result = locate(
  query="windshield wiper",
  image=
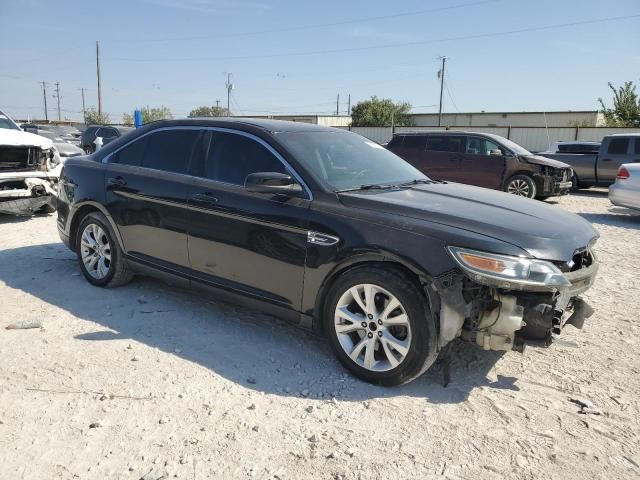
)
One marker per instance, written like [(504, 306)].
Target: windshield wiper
[(368, 186), (416, 182)]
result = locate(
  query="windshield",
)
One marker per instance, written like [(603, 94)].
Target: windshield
[(514, 147), (7, 123), (344, 161)]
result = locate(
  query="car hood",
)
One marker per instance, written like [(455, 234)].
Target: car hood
[(547, 162), (17, 138), (544, 231), (67, 149)]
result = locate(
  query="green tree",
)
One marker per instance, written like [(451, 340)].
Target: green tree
[(94, 118), (127, 119), (211, 111), (153, 114), (381, 112), (626, 107)]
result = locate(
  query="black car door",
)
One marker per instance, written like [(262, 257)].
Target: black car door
[(147, 189), (249, 243)]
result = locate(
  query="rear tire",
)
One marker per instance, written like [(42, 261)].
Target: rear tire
[(375, 341), (101, 260), (522, 186)]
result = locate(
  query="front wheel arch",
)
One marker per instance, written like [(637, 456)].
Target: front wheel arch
[(418, 278), (84, 209)]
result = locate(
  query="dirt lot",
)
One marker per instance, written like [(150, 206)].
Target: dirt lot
[(143, 381)]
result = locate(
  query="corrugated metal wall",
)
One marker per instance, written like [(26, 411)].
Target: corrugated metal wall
[(532, 138), (596, 134)]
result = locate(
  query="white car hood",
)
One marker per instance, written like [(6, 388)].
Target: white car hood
[(16, 138)]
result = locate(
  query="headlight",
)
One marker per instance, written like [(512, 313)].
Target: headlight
[(505, 271)]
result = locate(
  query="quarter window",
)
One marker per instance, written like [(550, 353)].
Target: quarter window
[(618, 145), (232, 157)]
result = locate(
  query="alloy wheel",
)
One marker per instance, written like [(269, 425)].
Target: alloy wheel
[(372, 327), (519, 187), (95, 251)]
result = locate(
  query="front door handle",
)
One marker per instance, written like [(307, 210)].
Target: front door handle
[(205, 197), (116, 181)]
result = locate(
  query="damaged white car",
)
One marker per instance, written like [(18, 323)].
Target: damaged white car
[(29, 171)]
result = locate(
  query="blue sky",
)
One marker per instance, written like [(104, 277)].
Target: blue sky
[(295, 56)]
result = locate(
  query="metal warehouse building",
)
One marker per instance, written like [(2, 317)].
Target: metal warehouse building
[(585, 118)]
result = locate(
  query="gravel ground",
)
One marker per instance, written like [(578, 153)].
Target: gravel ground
[(146, 382)]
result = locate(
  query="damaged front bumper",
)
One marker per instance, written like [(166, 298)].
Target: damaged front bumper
[(27, 192), (508, 319)]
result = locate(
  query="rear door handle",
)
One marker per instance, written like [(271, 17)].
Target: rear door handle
[(205, 197), (116, 181)]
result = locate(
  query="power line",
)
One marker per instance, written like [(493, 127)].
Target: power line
[(312, 26), (379, 47), (446, 86)]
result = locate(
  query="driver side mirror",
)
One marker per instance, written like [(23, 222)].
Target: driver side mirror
[(496, 152), (272, 182)]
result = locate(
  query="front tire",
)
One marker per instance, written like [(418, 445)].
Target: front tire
[(522, 186), (379, 325), (101, 260)]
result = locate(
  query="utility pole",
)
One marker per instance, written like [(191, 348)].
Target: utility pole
[(229, 86), (84, 111), (349, 106), (338, 105), (441, 75), (99, 85), (218, 105), (44, 97), (58, 98)]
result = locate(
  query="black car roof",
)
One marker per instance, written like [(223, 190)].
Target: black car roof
[(268, 125)]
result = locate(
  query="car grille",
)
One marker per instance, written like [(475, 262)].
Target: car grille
[(581, 260), (562, 174), (19, 159)]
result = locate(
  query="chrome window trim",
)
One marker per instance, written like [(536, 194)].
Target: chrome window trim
[(262, 142)]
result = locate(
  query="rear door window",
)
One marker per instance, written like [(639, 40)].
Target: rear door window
[(637, 146), (132, 153), (414, 142), (456, 144), (170, 150), (437, 143), (618, 146), (442, 143)]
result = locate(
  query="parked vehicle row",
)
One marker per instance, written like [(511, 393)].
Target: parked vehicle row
[(335, 233), (484, 160), (108, 133), (598, 168)]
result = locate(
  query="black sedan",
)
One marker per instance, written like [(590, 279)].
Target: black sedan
[(331, 231)]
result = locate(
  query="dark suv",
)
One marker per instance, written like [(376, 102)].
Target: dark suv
[(331, 231), (106, 132), (484, 160)]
